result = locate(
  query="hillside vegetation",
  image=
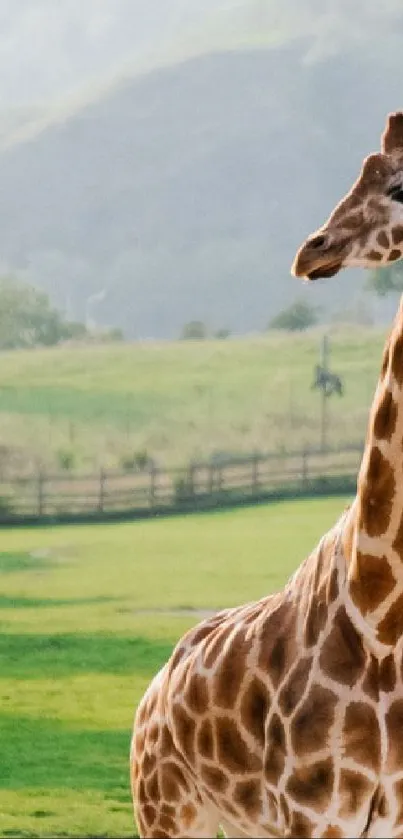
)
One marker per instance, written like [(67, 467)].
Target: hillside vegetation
[(184, 189), (83, 407)]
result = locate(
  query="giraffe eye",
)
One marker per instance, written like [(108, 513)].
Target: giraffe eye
[(396, 193)]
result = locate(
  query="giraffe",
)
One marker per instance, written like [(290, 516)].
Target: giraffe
[(284, 717)]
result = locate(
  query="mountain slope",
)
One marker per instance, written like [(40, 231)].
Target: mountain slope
[(185, 191)]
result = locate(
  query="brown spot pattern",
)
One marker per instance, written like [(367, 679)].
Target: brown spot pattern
[(196, 694), (285, 809), (205, 629), (185, 728), (385, 361), (372, 580), (173, 782), (230, 672), (254, 709), (374, 256), (153, 788), (148, 813), (177, 657), (397, 359), (313, 785), (342, 657), (354, 789), (377, 492), (397, 235), (233, 752), (167, 824), (167, 745), (316, 620), (333, 589), (294, 688), (214, 645), (332, 832), (394, 727), (383, 239), (214, 778), (387, 674), (370, 684), (205, 740), (398, 541), (399, 799), (276, 750), (385, 418), (247, 795), (354, 221), (277, 647), (311, 724), (153, 733), (149, 764), (394, 255), (391, 627), (383, 807), (361, 735), (188, 814), (300, 827)]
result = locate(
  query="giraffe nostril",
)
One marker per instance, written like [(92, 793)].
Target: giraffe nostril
[(317, 241)]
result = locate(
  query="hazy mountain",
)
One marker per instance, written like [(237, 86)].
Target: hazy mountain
[(185, 190)]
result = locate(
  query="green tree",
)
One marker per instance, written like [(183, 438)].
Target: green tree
[(27, 318), (195, 330), (295, 318), (386, 280)]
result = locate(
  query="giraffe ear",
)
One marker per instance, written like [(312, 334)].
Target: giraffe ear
[(392, 137)]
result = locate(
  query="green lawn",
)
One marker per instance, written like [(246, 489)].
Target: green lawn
[(88, 615), (182, 400)]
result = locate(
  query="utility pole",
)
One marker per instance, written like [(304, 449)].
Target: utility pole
[(324, 393)]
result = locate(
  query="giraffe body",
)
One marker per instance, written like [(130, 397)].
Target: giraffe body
[(276, 719), (284, 718)]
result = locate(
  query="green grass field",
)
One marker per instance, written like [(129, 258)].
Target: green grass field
[(88, 615), (181, 400)]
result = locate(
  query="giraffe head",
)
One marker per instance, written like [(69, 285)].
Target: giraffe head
[(366, 228)]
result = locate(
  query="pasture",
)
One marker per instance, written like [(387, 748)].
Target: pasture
[(88, 615), (82, 407)]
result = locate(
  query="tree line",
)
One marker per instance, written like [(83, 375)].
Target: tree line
[(28, 319)]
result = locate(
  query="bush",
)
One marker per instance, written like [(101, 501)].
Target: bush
[(298, 317), (194, 331), (136, 462), (66, 459)]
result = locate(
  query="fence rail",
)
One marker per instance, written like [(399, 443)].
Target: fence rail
[(69, 497)]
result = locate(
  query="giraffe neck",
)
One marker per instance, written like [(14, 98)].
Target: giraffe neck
[(373, 541)]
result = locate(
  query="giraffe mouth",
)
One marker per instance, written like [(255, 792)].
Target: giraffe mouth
[(325, 271)]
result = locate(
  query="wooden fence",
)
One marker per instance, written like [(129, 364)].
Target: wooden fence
[(112, 495)]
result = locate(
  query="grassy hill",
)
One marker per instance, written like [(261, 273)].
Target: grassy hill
[(99, 405), (185, 190)]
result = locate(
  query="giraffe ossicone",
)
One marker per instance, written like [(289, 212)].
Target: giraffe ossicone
[(285, 717)]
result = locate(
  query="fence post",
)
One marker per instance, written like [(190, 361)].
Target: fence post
[(191, 480), (304, 468), (101, 499), (210, 479), (255, 473), (41, 494), (220, 477)]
